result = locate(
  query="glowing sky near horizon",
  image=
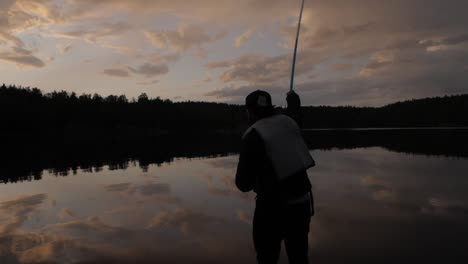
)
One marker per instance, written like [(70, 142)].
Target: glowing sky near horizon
[(354, 52)]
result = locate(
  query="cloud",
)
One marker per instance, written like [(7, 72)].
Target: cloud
[(379, 60), (119, 187), (18, 210), (22, 58), (207, 11), (155, 189), (52, 249), (23, 204), (19, 16), (455, 40), (243, 38), (164, 59), (93, 32), (66, 213), (396, 69), (255, 69), (157, 39), (148, 83), (381, 190), (341, 67), (15, 51), (6, 37), (442, 206), (150, 70), (42, 247), (64, 48), (94, 240), (390, 74), (218, 64), (185, 38), (6, 4), (224, 185), (158, 192), (224, 163), (430, 55), (46, 10), (187, 220), (124, 211), (442, 44), (91, 224), (117, 72)]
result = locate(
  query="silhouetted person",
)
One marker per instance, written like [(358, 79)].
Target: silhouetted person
[(273, 162)]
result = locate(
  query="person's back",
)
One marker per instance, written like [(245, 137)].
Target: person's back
[(273, 163)]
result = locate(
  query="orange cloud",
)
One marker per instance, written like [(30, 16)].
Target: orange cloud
[(183, 39)]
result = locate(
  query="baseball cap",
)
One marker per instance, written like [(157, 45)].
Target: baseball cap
[(259, 99)]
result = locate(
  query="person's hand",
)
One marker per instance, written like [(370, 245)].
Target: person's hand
[(293, 100)]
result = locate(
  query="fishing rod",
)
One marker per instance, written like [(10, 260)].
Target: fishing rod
[(291, 88)]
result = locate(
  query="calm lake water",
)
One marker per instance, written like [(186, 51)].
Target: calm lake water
[(373, 206)]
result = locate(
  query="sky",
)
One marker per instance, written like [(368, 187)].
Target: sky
[(351, 52)]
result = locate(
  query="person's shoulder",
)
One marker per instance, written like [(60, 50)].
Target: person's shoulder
[(251, 135), (252, 140), (287, 119)]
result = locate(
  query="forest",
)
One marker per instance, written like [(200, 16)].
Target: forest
[(26, 109), (29, 110), (447, 111)]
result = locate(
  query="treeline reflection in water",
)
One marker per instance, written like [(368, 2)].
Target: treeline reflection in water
[(173, 199), (25, 158)]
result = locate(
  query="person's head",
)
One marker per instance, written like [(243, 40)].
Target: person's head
[(258, 105)]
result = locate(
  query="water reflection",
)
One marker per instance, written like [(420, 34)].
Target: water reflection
[(27, 161), (372, 206), (381, 205)]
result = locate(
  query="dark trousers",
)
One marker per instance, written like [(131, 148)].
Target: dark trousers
[(274, 224)]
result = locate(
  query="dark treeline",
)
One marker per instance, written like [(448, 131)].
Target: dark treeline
[(447, 111), (29, 110)]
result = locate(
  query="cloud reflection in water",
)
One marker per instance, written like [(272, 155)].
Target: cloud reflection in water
[(372, 205)]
